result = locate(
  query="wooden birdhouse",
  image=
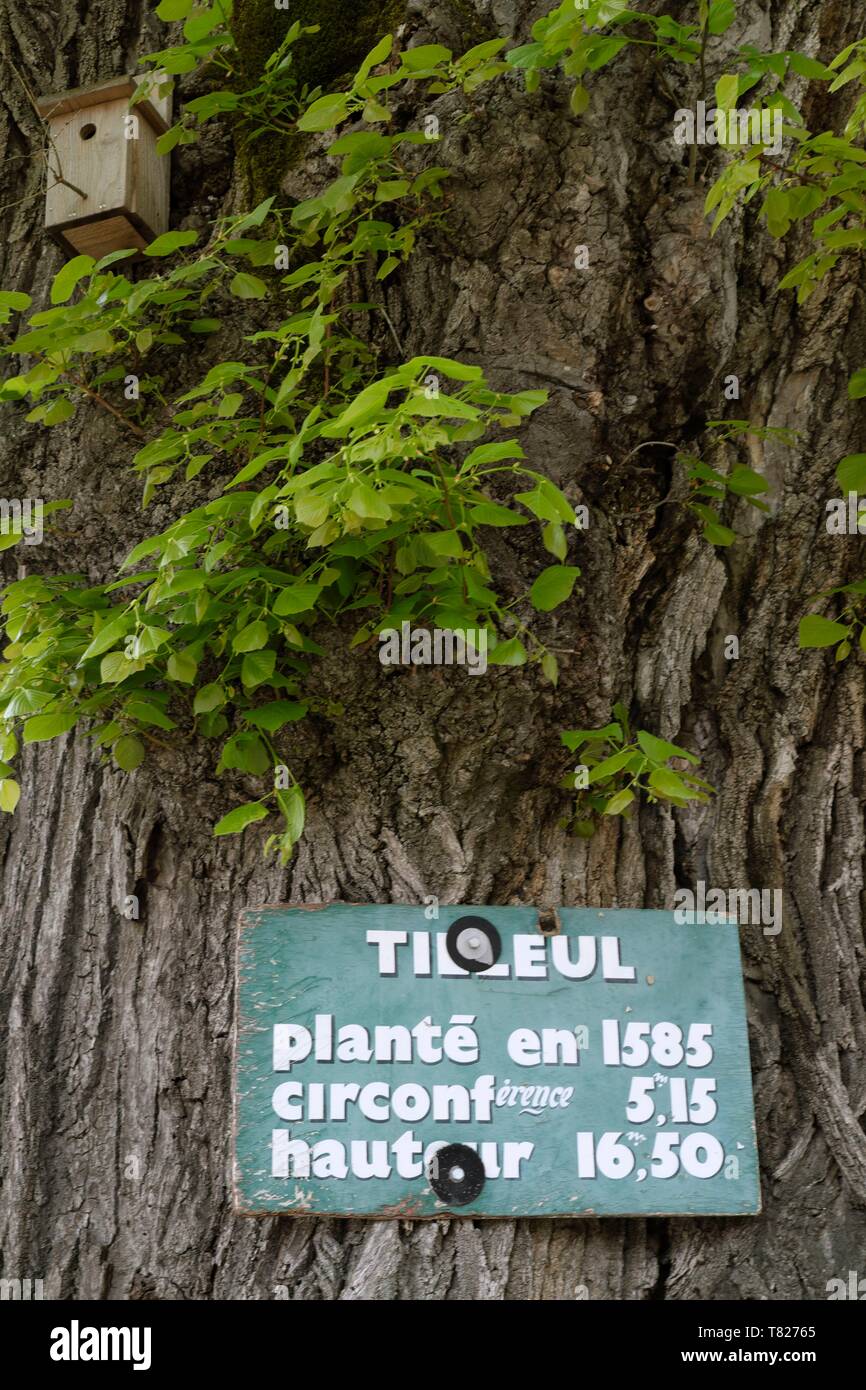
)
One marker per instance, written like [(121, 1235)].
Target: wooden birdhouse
[(108, 189)]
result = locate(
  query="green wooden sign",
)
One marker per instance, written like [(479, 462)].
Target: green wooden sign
[(388, 1065)]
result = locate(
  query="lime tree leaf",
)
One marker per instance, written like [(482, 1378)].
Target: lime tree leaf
[(10, 794), (579, 99), (128, 752), (273, 716), (510, 653), (857, 384), (240, 818), (808, 67), (553, 586), (209, 698), (615, 763), (717, 534), (45, 726), (14, 300), (659, 750), (169, 242), (745, 482), (815, 631), (107, 636), (257, 668), (299, 598), (246, 286), (550, 667), (251, 638), (328, 111), (554, 539), (618, 803), (143, 712), (851, 473), (182, 666), (727, 91), (666, 782), (68, 277), (174, 9), (376, 56), (721, 17), (116, 666), (293, 809)]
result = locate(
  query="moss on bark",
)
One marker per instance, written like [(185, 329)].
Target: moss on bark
[(348, 29)]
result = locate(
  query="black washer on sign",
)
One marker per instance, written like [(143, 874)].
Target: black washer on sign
[(456, 1192), (482, 925)]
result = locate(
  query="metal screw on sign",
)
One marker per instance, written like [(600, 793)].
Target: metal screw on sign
[(473, 943), (456, 1174)]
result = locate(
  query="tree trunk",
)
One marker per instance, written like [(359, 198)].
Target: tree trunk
[(116, 1102)]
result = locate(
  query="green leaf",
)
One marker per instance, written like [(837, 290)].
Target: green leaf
[(246, 286), (251, 638), (14, 299), (170, 242), (618, 803), (44, 726), (745, 482), (857, 385), (108, 636), (579, 99), (182, 666), (510, 653), (210, 697), (727, 91), (292, 806), (659, 750), (273, 716), (808, 67), (240, 818), (851, 473), (116, 666), (609, 766), (717, 534), (553, 586), (128, 752), (326, 112), (10, 794), (376, 56), (426, 55), (721, 16), (170, 10), (814, 631), (245, 752), (666, 782), (258, 667), (144, 712), (68, 277), (298, 598)]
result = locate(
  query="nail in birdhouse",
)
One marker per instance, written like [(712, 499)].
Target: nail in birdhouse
[(108, 189)]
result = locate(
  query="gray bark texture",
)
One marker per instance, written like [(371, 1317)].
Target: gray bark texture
[(116, 1091)]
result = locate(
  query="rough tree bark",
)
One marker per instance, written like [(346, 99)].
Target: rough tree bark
[(115, 1168)]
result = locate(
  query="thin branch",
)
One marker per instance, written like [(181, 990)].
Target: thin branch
[(106, 405)]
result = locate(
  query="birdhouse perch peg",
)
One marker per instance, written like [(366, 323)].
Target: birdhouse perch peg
[(108, 189)]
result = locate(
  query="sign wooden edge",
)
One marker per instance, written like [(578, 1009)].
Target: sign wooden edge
[(447, 1214)]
